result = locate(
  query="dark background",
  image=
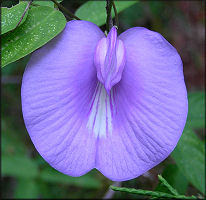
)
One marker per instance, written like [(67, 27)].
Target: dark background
[(182, 23)]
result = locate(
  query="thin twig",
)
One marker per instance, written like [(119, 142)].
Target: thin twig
[(27, 7), (109, 22), (116, 14), (65, 10)]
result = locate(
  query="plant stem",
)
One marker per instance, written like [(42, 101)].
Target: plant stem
[(151, 193), (116, 14), (65, 10), (27, 7), (167, 185), (109, 22)]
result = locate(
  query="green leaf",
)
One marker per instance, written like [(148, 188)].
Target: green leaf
[(15, 67), (52, 176), (196, 111), (26, 189), (190, 158), (97, 11), (18, 166), (42, 24), (10, 17), (44, 3), (48, 3), (175, 178), (150, 193)]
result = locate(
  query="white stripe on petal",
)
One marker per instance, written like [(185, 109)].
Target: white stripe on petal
[(100, 117)]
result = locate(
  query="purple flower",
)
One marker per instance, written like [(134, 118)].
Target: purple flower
[(117, 104)]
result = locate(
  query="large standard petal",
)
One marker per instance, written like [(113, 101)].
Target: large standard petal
[(76, 126), (57, 88), (150, 107)]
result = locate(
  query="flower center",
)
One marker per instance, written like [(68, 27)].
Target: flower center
[(110, 60)]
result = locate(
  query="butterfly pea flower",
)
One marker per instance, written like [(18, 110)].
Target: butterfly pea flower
[(114, 103)]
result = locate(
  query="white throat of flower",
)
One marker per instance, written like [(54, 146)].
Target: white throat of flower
[(102, 109)]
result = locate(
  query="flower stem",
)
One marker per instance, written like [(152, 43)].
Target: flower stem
[(65, 10), (109, 22), (116, 14)]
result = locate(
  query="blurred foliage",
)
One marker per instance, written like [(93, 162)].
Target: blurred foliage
[(175, 178), (190, 158), (196, 113), (26, 175), (97, 10)]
